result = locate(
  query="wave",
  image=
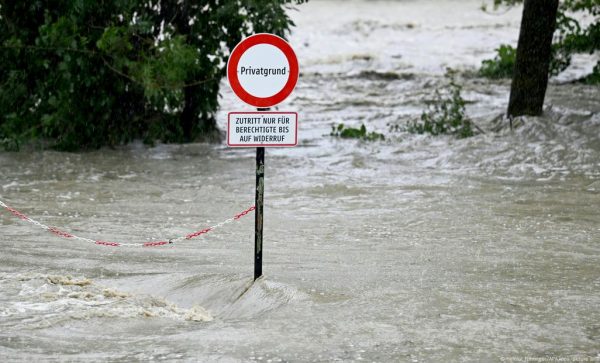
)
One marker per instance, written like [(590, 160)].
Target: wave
[(40, 301)]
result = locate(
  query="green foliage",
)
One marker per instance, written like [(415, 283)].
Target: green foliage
[(360, 133), (569, 38), (83, 73), (502, 65), (446, 114), (594, 77)]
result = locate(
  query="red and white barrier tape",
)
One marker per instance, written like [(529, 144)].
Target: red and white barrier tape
[(67, 235)]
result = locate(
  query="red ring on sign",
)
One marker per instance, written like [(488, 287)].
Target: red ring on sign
[(234, 60)]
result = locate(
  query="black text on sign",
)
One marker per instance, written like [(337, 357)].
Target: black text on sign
[(268, 129)]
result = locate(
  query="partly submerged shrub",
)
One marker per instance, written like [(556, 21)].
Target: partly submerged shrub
[(501, 66), (446, 114), (594, 77), (361, 133), (81, 74)]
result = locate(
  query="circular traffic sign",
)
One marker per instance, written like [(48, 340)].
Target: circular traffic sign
[(263, 70)]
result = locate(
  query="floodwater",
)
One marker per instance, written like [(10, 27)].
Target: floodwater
[(412, 249)]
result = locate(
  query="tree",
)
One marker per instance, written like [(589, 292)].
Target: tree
[(570, 37), (534, 52), (85, 73)]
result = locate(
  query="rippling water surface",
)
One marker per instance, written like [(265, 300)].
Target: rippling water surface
[(411, 249)]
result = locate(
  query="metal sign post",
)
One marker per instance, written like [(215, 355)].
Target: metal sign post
[(259, 204), (259, 211), (262, 71)]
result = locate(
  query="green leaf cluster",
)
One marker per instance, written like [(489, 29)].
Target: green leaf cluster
[(360, 133), (81, 74), (501, 66), (446, 114)]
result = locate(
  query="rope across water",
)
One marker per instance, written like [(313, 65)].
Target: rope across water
[(67, 235)]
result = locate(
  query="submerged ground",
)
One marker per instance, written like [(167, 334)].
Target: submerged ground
[(411, 249)]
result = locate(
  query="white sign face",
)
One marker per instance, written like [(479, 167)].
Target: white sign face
[(263, 70), (255, 129)]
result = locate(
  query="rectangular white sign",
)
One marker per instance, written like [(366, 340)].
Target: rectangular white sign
[(268, 129)]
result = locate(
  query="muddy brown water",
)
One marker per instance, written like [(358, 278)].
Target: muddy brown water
[(410, 249)]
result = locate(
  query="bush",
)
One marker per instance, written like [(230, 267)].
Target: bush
[(361, 133), (446, 114), (594, 77), (502, 65), (83, 74)]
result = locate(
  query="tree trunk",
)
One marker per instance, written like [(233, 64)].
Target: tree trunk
[(530, 76), (189, 115)]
